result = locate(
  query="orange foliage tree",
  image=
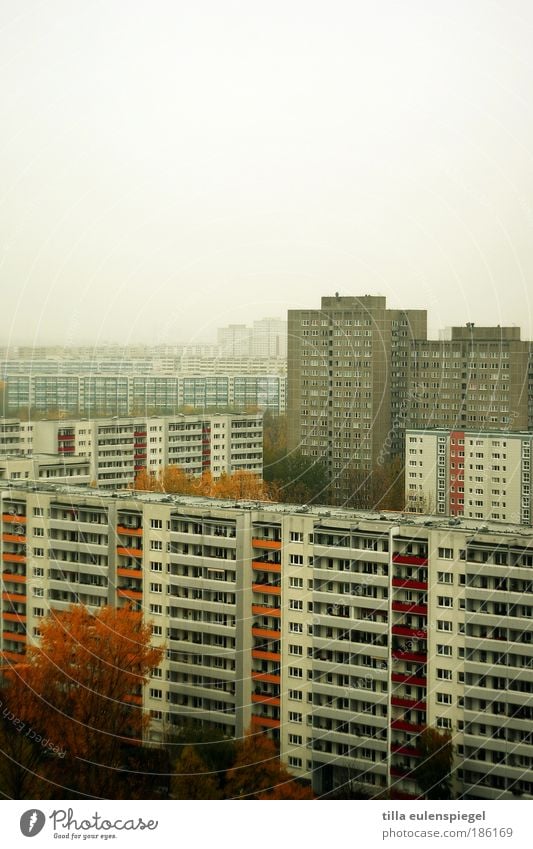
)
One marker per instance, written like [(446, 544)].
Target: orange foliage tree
[(239, 485), (80, 687), (257, 773)]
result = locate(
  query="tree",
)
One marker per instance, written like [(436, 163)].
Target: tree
[(192, 778), (22, 761), (433, 773), (80, 689), (299, 479), (258, 773), (173, 479)]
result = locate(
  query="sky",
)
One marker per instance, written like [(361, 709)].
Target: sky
[(167, 168)]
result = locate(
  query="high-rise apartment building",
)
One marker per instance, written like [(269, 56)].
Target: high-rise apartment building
[(348, 371), (477, 474), (342, 634)]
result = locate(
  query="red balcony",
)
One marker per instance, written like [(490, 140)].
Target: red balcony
[(65, 436), (410, 607), (401, 772), (266, 588), (265, 722), (404, 631), (263, 610), (261, 698), (403, 749), (410, 559), (405, 678), (137, 433), (266, 543), (267, 677), (409, 584), (133, 532), (264, 566), (415, 657), (410, 727), (260, 654), (410, 704)]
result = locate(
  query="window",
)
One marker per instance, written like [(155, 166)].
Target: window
[(156, 523), (295, 604), (38, 611), (295, 695), (444, 674), (296, 560), (155, 693), (295, 672), (157, 630), (156, 545), (294, 716), (296, 628), (444, 578), (157, 672), (296, 583), (156, 566), (156, 609), (296, 536), (295, 739), (295, 762), (446, 553), (296, 650), (444, 625), (444, 601), (38, 592), (444, 699), (38, 572), (444, 650), (444, 722), (156, 588), (38, 552), (38, 532), (38, 511)]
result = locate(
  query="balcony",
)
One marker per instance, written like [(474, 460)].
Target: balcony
[(410, 559), (265, 566), (415, 657), (266, 543), (134, 595), (410, 704), (13, 656), (267, 677), (404, 631), (265, 722), (404, 749), (125, 531), (270, 589), (410, 727), (13, 578), (12, 635), (13, 617), (266, 633), (14, 597), (130, 573), (410, 607), (263, 610), (265, 699), (129, 552), (259, 654), (14, 538), (408, 678), (8, 557), (14, 518), (409, 584)]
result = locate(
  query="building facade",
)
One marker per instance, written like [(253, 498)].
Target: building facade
[(340, 634), (480, 475)]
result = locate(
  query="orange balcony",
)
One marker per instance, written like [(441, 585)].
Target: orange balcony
[(14, 519), (266, 543), (133, 532), (129, 573), (265, 722), (11, 635), (13, 617), (262, 610), (275, 701), (129, 552), (14, 597), (7, 557), (13, 578), (135, 595), (266, 588), (267, 677), (259, 654), (13, 538), (13, 656), (264, 566), (266, 633)]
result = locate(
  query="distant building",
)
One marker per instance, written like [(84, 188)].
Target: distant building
[(480, 475)]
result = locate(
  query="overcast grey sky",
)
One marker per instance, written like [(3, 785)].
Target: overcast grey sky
[(168, 167)]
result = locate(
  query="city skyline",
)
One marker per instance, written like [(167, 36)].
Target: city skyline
[(172, 170)]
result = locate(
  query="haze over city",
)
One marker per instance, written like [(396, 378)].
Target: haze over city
[(169, 169)]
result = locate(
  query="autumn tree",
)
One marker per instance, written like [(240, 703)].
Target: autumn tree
[(299, 479), (433, 773), (192, 778), (242, 484), (81, 689), (257, 773), (174, 480), (23, 762)]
